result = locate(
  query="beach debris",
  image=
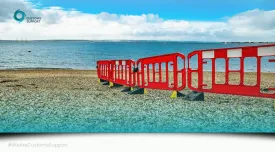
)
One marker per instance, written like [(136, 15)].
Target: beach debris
[(5, 81), (79, 88), (17, 85)]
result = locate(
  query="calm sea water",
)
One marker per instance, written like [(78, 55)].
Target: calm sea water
[(84, 54)]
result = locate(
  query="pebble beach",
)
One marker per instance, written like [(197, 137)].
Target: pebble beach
[(64, 100)]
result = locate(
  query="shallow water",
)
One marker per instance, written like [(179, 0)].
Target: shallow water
[(84, 54)]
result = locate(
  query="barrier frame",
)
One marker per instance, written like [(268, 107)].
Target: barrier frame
[(103, 70), (153, 60), (122, 73), (226, 53)]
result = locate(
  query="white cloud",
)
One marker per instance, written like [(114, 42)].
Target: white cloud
[(256, 19), (57, 23)]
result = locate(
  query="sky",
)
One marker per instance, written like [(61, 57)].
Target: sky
[(168, 9), (177, 20)]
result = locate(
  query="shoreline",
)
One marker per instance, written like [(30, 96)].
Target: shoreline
[(73, 69), (46, 69)]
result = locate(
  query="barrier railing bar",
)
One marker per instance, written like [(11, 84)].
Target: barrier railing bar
[(258, 71), (160, 77), (227, 71), (242, 71), (167, 73), (235, 71)]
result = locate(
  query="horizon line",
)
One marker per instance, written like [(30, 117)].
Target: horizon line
[(139, 40)]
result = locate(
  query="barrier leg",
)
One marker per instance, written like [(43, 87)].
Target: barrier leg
[(106, 83), (139, 91), (195, 96), (176, 94), (98, 80), (127, 89), (145, 91), (112, 85)]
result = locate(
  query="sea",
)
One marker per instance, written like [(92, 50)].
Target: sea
[(84, 54)]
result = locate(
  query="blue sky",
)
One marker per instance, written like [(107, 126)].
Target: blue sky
[(203, 10), (179, 20)]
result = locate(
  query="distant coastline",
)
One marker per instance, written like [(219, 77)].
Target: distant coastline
[(229, 42), (245, 42)]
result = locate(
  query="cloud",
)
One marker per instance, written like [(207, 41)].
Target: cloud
[(58, 23), (8, 7), (256, 19), (255, 24)]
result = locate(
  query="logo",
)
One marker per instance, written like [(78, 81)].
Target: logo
[(19, 15)]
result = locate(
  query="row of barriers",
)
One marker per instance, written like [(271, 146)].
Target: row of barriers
[(203, 74)]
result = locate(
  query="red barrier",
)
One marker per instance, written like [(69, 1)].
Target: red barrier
[(154, 72), (103, 70), (122, 73), (213, 58)]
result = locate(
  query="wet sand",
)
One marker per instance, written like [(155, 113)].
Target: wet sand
[(57, 100)]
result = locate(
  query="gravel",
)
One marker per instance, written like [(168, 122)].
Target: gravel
[(73, 101)]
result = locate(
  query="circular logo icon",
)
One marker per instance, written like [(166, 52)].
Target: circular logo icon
[(19, 15)]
